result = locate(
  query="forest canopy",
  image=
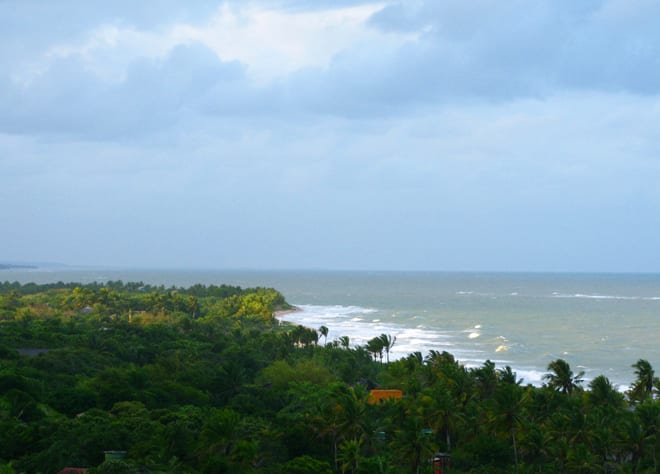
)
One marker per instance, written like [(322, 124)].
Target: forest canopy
[(206, 380)]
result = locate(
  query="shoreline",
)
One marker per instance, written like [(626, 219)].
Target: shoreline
[(278, 314), (529, 375)]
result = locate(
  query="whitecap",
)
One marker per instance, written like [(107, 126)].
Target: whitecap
[(605, 297), (534, 377)]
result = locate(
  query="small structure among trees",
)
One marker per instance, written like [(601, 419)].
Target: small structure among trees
[(380, 395)]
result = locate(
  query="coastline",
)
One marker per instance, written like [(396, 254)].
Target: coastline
[(575, 316), (282, 312)]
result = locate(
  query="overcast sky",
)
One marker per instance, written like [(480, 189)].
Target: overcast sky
[(499, 135)]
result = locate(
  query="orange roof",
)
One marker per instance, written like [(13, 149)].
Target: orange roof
[(378, 396)]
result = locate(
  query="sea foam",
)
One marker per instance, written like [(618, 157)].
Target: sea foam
[(347, 321)]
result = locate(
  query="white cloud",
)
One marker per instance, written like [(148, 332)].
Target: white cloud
[(275, 43), (271, 43), (110, 49)]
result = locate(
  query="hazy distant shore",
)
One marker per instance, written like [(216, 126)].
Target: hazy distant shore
[(10, 266)]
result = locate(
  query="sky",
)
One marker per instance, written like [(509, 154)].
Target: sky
[(489, 135)]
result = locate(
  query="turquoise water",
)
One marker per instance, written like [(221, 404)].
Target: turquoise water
[(599, 323)]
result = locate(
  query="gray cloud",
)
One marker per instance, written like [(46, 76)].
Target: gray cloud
[(516, 48), (476, 51), (155, 95)]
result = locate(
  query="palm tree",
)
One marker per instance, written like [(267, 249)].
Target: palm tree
[(445, 412), (444, 367), (562, 378), (648, 415), (508, 376), (349, 455), (636, 440), (486, 377), (603, 394), (376, 346), (340, 414), (388, 343), (605, 437), (323, 331), (509, 412), (344, 341), (220, 431), (304, 336), (581, 459), (535, 445), (411, 443), (414, 360), (642, 388), (351, 411), (439, 359)]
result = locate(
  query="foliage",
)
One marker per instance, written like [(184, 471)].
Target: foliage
[(204, 379)]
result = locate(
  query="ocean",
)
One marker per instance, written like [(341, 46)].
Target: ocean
[(600, 323)]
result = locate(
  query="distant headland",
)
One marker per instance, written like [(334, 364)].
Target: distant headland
[(11, 266)]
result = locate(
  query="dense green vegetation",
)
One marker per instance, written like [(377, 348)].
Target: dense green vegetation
[(204, 379)]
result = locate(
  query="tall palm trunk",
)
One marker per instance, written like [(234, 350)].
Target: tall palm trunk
[(334, 449), (515, 448)]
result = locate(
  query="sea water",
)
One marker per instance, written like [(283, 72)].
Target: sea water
[(600, 323)]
